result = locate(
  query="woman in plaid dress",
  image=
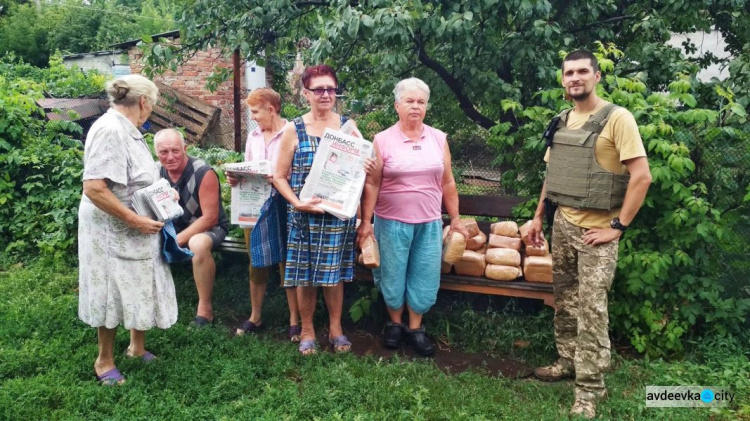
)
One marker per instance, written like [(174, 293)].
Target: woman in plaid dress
[(320, 247)]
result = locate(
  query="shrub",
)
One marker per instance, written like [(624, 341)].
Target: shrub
[(40, 179)]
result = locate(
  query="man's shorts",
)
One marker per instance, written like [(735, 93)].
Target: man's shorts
[(217, 234)]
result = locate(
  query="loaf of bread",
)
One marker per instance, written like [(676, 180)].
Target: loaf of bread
[(454, 247), (370, 253), (445, 267), (505, 257), (501, 241), (542, 250), (538, 268), (360, 260), (476, 242), (506, 228), (502, 273), (471, 226), (471, 263)]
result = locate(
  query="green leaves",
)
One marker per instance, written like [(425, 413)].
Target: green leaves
[(41, 166)]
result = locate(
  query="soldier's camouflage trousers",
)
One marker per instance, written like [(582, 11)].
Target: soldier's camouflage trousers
[(582, 277)]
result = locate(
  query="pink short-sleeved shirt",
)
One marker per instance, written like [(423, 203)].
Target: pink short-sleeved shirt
[(411, 190), (256, 148)]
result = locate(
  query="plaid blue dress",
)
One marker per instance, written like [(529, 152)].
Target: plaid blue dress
[(320, 247)]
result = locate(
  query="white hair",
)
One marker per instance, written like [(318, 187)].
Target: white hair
[(410, 84), (129, 89), (161, 134)]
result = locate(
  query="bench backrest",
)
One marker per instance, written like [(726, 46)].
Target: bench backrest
[(491, 206)]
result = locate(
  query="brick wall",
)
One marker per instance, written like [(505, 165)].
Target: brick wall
[(190, 79)]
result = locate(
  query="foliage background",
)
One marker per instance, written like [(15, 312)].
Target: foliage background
[(77, 26)]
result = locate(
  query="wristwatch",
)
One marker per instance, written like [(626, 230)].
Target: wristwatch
[(616, 224)]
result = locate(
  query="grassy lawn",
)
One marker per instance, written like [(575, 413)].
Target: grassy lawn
[(47, 355)]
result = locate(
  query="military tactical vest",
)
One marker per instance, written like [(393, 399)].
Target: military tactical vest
[(574, 178)]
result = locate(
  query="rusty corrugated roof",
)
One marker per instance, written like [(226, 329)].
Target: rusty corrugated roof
[(84, 107)]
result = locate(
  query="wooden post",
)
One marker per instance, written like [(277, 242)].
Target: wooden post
[(237, 105)]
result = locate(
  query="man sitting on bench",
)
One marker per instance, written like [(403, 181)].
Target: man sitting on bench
[(204, 224)]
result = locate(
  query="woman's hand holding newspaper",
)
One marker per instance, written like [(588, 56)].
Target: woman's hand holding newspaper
[(309, 206)]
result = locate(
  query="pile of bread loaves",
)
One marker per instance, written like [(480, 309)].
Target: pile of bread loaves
[(505, 257)]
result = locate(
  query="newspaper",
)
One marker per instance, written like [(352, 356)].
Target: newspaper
[(251, 192), (337, 175), (157, 201)]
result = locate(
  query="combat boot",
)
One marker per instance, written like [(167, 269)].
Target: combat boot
[(585, 408), (586, 400), (560, 369)]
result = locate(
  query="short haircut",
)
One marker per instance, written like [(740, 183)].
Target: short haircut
[(128, 90), (319, 70), (409, 84), (161, 134), (581, 54), (263, 96)]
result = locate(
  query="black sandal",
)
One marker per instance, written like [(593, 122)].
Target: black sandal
[(248, 327)]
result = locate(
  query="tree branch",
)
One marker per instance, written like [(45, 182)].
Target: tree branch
[(454, 85), (602, 22), (312, 3)]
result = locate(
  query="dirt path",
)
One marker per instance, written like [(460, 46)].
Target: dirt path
[(451, 360)]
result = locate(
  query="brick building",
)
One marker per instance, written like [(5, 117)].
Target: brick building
[(190, 79)]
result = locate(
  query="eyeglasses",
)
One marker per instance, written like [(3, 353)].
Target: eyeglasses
[(321, 91)]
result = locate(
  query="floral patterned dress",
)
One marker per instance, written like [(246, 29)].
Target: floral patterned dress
[(122, 276)]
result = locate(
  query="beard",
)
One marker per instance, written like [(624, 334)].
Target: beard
[(580, 97)]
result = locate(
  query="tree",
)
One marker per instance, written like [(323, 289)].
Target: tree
[(478, 51)]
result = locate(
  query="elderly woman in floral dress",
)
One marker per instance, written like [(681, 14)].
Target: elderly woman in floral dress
[(123, 279)]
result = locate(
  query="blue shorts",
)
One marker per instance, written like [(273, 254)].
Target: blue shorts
[(409, 263)]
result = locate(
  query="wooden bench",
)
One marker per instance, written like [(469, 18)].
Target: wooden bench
[(469, 205), (233, 245)]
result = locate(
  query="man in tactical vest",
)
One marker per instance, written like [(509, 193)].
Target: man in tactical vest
[(598, 174), (204, 224)]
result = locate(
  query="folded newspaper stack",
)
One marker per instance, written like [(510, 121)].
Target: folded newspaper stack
[(252, 191), (337, 175), (157, 202)]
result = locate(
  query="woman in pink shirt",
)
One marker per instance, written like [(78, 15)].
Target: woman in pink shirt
[(413, 177), (263, 143)]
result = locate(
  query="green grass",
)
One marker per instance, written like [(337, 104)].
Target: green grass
[(46, 359)]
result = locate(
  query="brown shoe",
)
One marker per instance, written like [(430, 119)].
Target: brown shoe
[(560, 369), (584, 407)]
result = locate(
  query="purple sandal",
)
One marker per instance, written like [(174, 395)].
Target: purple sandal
[(147, 357), (308, 347), (112, 377), (341, 344), (295, 331)]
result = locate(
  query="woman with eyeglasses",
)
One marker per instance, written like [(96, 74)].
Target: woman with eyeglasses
[(320, 247)]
